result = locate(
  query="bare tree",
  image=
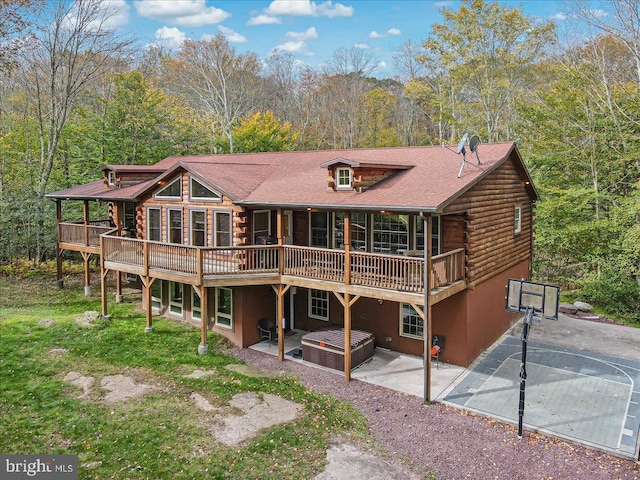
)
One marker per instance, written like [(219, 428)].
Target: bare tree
[(13, 22), (71, 46), (217, 81), (407, 60)]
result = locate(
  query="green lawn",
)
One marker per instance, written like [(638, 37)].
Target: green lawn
[(158, 435)]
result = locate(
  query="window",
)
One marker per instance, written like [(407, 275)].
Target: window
[(343, 178), (154, 224), (199, 191), (173, 190), (517, 220), (175, 298), (156, 296), (111, 178), (319, 224), (198, 226), (196, 305), (261, 226), (390, 233), (130, 222), (174, 223), (411, 324), (222, 229), (224, 308), (319, 304), (435, 235), (358, 231)]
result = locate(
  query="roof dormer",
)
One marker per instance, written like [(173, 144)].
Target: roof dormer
[(345, 174)]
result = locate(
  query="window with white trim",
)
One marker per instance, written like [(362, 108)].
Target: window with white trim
[(174, 225), (343, 178), (411, 324), (197, 191), (198, 228), (154, 224), (196, 305), (111, 178), (224, 308), (176, 298), (222, 229), (319, 304), (173, 190), (517, 219)]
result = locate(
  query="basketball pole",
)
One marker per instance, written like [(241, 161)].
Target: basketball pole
[(526, 326)]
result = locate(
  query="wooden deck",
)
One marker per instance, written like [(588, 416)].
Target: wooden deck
[(391, 277)]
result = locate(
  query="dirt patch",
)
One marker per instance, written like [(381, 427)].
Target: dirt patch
[(122, 387), (46, 322), (81, 381), (58, 351), (346, 461), (258, 412), (200, 374), (256, 372)]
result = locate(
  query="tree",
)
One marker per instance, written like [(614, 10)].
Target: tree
[(72, 45), (378, 119), (488, 50), (262, 132), (14, 28), (218, 82)]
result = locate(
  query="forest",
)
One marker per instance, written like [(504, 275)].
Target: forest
[(75, 96)]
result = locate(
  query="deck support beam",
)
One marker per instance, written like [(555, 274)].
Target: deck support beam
[(202, 292), (280, 291), (426, 321), (59, 280)]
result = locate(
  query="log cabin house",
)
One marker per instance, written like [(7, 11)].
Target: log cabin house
[(318, 238)]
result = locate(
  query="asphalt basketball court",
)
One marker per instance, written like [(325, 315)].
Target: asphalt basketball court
[(574, 388)]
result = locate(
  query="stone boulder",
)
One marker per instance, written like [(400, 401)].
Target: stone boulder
[(583, 306), (567, 308)]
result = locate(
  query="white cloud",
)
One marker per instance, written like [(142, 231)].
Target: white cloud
[(307, 8), (263, 20), (300, 48), (113, 14), (170, 37), (190, 13), (560, 16), (308, 34), (443, 4), (381, 64), (598, 13), (231, 36), (363, 46), (389, 33)]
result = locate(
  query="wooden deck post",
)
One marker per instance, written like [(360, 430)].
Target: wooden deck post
[(427, 307), (60, 281), (86, 256), (203, 348), (279, 322), (146, 285), (103, 280), (347, 336)]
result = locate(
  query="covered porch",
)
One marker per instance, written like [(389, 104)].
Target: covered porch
[(396, 371)]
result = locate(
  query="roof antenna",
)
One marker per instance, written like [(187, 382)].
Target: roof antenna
[(473, 146), (463, 151)]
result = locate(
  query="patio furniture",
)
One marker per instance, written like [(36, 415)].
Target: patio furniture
[(437, 345), (267, 330)]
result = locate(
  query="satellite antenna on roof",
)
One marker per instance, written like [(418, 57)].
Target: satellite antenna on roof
[(473, 146), (463, 151)]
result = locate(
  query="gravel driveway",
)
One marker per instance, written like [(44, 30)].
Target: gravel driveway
[(455, 444)]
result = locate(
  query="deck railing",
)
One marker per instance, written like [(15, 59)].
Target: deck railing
[(367, 269), (74, 232)]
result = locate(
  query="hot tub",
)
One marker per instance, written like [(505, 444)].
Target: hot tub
[(326, 347)]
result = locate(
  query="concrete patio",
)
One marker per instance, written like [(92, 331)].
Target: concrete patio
[(393, 370)]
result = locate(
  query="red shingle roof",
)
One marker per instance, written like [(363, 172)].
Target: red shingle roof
[(291, 179)]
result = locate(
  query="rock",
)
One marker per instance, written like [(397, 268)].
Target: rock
[(81, 381), (200, 373), (121, 387), (46, 322), (256, 372), (201, 402), (567, 308), (58, 351), (583, 306), (87, 319)]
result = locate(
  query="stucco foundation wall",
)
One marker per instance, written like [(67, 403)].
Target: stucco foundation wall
[(486, 317)]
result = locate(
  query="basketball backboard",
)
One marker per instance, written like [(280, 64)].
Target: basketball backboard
[(542, 297)]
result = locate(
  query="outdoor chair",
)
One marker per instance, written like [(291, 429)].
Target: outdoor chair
[(267, 330), (437, 345)]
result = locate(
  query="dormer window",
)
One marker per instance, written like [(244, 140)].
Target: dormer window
[(111, 178), (344, 178), (173, 190)]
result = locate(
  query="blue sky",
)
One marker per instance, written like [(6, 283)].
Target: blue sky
[(310, 30)]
